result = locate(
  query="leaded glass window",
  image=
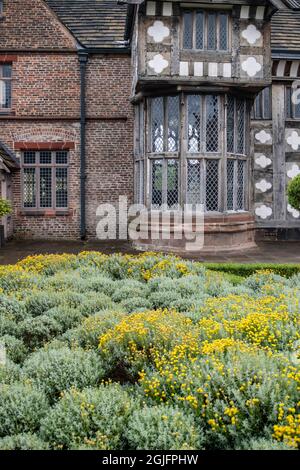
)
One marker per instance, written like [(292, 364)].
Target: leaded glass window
[(157, 184), (236, 185), (236, 125), (191, 160), (205, 30), (195, 182), (212, 186), (203, 123), (45, 180), (165, 124)]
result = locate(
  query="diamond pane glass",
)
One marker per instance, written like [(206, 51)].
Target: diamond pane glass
[(157, 179), (194, 123), (200, 30), (172, 184), (29, 158), (173, 124), (212, 123), (230, 125), (223, 18), (241, 185), (211, 32), (61, 158), (230, 185), (157, 124), (194, 183), (212, 185), (45, 187), (61, 187), (29, 188), (289, 102), (240, 126), (45, 158), (188, 30)]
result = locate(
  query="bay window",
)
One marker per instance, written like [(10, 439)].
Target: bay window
[(45, 180), (193, 150)]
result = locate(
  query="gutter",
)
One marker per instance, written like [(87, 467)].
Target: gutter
[(83, 60)]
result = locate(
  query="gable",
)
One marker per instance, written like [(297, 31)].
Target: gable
[(31, 24)]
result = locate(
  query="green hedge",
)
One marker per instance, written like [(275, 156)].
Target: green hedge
[(244, 270)]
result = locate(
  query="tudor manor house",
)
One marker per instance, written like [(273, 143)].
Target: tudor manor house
[(165, 102)]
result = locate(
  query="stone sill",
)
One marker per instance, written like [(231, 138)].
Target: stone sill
[(47, 214)]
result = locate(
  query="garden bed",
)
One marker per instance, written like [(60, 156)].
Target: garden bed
[(148, 352)]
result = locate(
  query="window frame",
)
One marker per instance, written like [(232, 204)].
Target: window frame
[(37, 166), (9, 80), (206, 13), (184, 156), (260, 103), (290, 107)]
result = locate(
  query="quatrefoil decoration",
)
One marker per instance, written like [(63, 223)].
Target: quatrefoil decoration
[(251, 34), (158, 31)]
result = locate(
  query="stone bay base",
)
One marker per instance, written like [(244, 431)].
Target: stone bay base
[(221, 233)]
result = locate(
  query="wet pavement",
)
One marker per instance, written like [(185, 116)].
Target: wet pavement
[(265, 252)]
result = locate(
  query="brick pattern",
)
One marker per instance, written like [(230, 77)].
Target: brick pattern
[(31, 24)]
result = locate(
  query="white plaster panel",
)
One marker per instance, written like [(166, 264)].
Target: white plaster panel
[(263, 185), (260, 13), (158, 32), (167, 9), (252, 66), (198, 69), (151, 9), (158, 64), (263, 211), (263, 137), (184, 69), (213, 69), (245, 11), (251, 36), (292, 137), (293, 170), (294, 212), (227, 70), (262, 161)]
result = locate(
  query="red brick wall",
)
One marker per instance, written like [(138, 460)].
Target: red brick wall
[(46, 85), (30, 24), (46, 108), (110, 140)]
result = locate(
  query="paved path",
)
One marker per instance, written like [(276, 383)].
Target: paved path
[(267, 252)]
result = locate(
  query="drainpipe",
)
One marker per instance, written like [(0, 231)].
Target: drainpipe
[(83, 59)]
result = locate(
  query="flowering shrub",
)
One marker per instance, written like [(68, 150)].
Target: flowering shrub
[(136, 340), (203, 359)]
